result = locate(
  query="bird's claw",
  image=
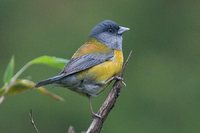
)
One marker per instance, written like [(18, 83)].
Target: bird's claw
[(95, 115), (124, 83), (118, 78), (122, 79)]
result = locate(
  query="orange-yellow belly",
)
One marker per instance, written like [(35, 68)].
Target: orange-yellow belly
[(104, 71)]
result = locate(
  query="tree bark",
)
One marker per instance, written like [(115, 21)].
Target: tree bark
[(107, 106)]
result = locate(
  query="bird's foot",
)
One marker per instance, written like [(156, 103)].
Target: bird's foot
[(120, 78), (95, 115)]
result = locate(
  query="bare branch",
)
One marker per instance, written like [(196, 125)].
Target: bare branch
[(106, 107), (32, 121), (71, 129)]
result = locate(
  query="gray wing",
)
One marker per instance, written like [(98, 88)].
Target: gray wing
[(84, 62)]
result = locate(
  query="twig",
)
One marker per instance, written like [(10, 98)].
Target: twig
[(97, 123), (71, 129), (32, 121)]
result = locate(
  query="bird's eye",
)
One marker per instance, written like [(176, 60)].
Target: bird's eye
[(110, 30)]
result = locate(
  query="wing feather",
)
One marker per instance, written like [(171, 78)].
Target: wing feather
[(87, 61)]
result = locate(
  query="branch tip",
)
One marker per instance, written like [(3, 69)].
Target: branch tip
[(32, 121)]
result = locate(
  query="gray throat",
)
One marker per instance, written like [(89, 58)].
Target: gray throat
[(111, 42)]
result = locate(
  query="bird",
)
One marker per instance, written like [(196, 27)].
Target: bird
[(95, 64)]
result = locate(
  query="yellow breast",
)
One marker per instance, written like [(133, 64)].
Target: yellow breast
[(104, 71)]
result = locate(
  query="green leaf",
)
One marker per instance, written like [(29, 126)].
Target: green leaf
[(2, 91), (50, 61), (9, 71), (52, 95), (23, 85), (46, 60), (1, 99), (19, 86)]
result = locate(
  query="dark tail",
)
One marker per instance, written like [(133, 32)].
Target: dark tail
[(49, 81)]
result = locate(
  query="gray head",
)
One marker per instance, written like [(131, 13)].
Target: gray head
[(109, 33)]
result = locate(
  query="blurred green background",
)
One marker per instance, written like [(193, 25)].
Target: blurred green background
[(162, 93)]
